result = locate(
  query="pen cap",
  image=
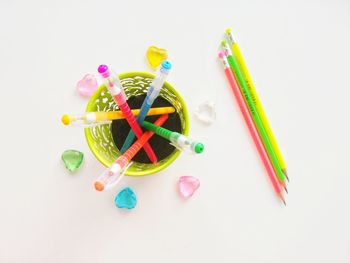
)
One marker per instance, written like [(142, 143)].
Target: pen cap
[(110, 79), (166, 66), (68, 119), (158, 82), (103, 70), (108, 178), (162, 73), (86, 120), (197, 147), (186, 144)]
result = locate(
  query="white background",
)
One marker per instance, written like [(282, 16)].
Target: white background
[(298, 55)]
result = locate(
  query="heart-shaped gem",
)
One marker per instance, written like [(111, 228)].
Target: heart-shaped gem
[(156, 56), (72, 159), (126, 198), (188, 185), (87, 85), (206, 112)]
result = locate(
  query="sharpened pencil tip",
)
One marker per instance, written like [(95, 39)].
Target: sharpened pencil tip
[(282, 198), (285, 174), (285, 189), (283, 183)]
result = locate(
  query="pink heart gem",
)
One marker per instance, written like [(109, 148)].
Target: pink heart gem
[(188, 185), (87, 85)]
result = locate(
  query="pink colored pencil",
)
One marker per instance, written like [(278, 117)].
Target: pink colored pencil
[(251, 126)]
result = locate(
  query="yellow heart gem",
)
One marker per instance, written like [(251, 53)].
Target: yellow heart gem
[(156, 56)]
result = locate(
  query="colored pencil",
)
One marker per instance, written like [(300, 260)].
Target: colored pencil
[(255, 97), (258, 123), (252, 129), (152, 94)]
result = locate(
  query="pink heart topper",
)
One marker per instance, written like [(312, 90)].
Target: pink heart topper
[(188, 185)]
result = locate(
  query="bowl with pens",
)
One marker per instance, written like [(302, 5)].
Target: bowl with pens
[(106, 141)]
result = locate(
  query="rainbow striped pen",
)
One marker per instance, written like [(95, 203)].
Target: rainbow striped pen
[(152, 94), (179, 140), (114, 87)]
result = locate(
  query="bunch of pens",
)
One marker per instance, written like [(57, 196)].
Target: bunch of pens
[(116, 171), (241, 83)]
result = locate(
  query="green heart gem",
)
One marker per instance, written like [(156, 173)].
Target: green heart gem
[(72, 159)]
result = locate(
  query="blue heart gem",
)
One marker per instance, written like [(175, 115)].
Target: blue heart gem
[(126, 198)]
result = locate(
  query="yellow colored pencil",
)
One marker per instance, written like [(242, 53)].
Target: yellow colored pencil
[(255, 98)]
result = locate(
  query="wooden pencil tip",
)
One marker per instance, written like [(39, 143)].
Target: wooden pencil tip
[(282, 198), (283, 183), (285, 174), (285, 189)]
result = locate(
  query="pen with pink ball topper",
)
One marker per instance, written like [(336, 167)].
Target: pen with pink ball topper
[(114, 87)]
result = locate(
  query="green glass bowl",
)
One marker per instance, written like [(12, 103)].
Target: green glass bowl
[(99, 138)]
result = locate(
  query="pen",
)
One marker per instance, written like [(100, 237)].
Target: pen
[(91, 119), (152, 94), (179, 140), (114, 87), (114, 174)]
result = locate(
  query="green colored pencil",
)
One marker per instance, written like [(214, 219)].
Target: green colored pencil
[(255, 97), (259, 125)]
